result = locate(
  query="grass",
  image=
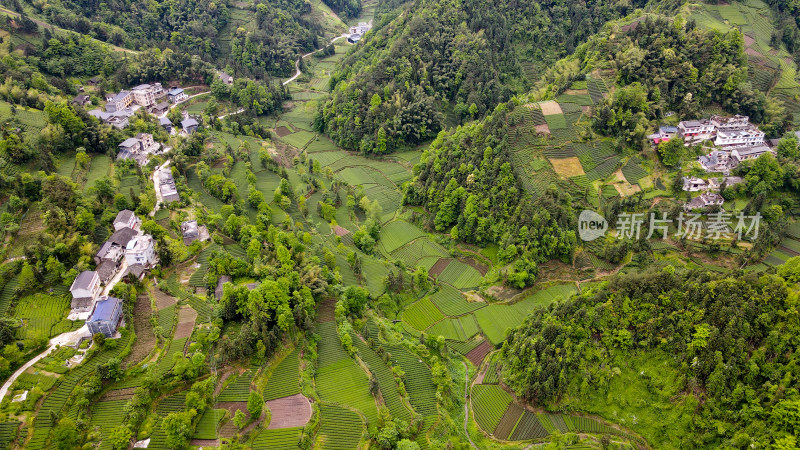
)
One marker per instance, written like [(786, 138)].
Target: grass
[(648, 399), (489, 403), (422, 314), (99, 168)]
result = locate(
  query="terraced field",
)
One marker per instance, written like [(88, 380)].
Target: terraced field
[(279, 439), (422, 314), (105, 416), (284, 379), (420, 388), (386, 383), (451, 301), (340, 379), (489, 402), (339, 428), (495, 319)]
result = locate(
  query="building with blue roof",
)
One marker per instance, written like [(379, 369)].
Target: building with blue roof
[(105, 317)]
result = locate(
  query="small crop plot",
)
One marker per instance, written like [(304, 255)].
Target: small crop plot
[(509, 421), (489, 403), (550, 108), (209, 424), (422, 314), (279, 439), (556, 122), (567, 167), (339, 378), (418, 380), (284, 379), (398, 233), (44, 316), (452, 302), (633, 171), (455, 329), (385, 377), (289, 412), (339, 428), (460, 275), (529, 427)]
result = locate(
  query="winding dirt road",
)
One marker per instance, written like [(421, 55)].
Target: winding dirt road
[(297, 63)]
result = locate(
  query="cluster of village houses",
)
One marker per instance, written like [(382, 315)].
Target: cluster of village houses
[(358, 31), (127, 252), (734, 140), (154, 98)]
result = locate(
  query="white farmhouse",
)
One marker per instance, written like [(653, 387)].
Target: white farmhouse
[(84, 289), (140, 250)]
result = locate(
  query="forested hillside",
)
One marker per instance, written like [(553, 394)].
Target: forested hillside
[(444, 62), (255, 40), (467, 182), (696, 346), (471, 178)]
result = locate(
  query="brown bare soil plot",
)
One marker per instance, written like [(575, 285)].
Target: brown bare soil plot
[(477, 354), (326, 310), (567, 167), (282, 131), (288, 412), (340, 231), (439, 267), (752, 52), (145, 338), (470, 261), (186, 318), (163, 299), (550, 108), (542, 129), (119, 394), (510, 418), (576, 91), (203, 443)]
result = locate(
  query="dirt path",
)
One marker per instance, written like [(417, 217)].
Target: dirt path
[(466, 405), (188, 98), (297, 63), (156, 174)]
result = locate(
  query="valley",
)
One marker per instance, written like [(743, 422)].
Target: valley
[(344, 225)]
